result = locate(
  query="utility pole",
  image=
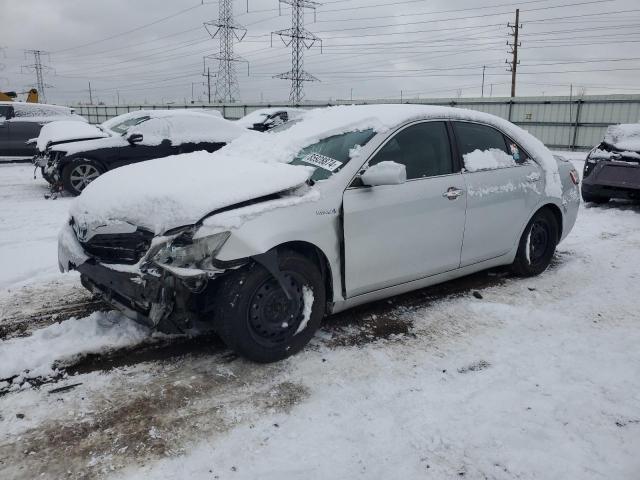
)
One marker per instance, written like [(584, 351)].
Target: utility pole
[(39, 70), (208, 75), (483, 68), (352, 95), (90, 94), (513, 65), (298, 38), (228, 31), (491, 90)]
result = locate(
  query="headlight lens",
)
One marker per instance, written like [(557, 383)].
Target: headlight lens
[(185, 252)]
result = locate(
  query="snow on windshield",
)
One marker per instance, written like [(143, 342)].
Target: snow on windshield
[(322, 123), (331, 154), (624, 136)]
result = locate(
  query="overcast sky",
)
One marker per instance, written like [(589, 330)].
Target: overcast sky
[(371, 48)]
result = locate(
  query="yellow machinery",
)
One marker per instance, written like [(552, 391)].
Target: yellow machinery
[(32, 96)]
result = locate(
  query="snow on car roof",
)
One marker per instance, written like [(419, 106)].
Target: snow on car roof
[(186, 128), (159, 113), (321, 123), (180, 128), (625, 136), (258, 115)]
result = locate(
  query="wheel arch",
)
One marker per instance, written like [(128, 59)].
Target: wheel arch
[(557, 214), (316, 254)]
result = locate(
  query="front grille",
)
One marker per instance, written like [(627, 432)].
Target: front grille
[(127, 248)]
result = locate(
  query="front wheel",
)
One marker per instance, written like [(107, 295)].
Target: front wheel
[(257, 319), (537, 245), (80, 173)]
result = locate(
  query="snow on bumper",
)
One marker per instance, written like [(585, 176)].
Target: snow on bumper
[(70, 252)]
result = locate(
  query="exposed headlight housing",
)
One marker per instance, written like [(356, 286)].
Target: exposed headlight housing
[(185, 252)]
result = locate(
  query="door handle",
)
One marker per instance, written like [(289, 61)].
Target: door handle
[(452, 193), (533, 177)]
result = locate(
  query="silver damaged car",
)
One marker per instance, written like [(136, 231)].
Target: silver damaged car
[(262, 239)]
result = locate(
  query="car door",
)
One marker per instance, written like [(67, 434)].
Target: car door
[(6, 111), (398, 233), (503, 186), (155, 142), (26, 124)]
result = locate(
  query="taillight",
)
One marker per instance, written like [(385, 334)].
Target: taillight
[(574, 177)]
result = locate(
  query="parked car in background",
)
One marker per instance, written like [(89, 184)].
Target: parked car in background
[(63, 131), (612, 169), (21, 122), (158, 133), (349, 205), (267, 118)]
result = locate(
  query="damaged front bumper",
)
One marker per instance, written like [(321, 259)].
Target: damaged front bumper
[(166, 299)]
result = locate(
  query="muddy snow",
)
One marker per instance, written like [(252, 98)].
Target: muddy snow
[(488, 376)]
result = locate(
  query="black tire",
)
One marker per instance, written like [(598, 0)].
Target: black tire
[(255, 318), (537, 245), (72, 174), (594, 198)]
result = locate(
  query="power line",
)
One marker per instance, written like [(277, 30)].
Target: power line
[(111, 37)]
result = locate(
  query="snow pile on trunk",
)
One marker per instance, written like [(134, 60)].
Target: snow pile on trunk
[(66, 130), (322, 123), (62, 342), (487, 160), (625, 136), (179, 190)]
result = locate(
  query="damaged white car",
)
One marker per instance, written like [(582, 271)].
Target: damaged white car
[(263, 238)]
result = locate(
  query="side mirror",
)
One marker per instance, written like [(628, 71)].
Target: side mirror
[(384, 173), (135, 138)]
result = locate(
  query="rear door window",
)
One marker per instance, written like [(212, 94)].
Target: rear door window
[(482, 147)]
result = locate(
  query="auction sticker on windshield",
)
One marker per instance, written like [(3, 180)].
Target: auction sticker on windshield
[(327, 163)]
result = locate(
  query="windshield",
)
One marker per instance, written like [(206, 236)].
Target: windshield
[(332, 153), (123, 126)]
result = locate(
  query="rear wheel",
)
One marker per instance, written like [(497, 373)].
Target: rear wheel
[(537, 245), (256, 318), (80, 173)]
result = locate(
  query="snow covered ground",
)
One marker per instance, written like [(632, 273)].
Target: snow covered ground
[(484, 377)]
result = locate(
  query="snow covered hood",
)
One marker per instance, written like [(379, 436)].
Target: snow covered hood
[(175, 191), (625, 136), (88, 145), (67, 130), (322, 123)]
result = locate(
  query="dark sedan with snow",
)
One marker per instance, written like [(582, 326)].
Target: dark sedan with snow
[(612, 169), (71, 166)]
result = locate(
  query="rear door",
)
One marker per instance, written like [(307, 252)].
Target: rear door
[(25, 125), (503, 186), (398, 233), (5, 113)]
